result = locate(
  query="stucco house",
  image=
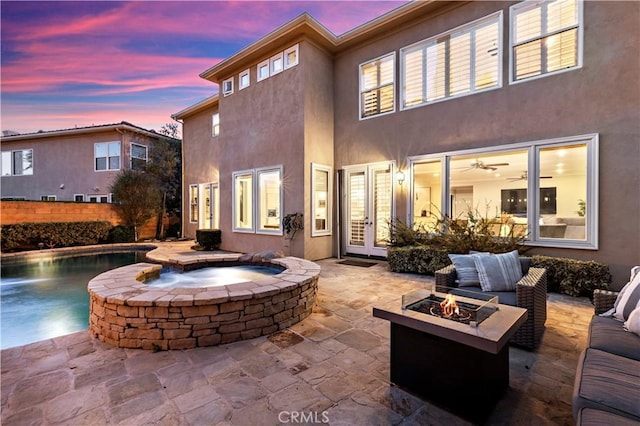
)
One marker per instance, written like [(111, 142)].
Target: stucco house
[(72, 164), (528, 110)]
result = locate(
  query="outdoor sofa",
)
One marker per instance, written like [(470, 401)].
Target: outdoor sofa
[(530, 293), (607, 383)]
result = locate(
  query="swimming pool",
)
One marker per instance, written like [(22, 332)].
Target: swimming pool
[(48, 298)]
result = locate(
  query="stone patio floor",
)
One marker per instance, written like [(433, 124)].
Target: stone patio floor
[(331, 368)]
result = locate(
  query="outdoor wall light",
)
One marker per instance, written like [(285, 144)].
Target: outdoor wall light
[(400, 177)]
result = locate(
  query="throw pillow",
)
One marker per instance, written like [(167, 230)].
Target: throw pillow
[(628, 299), (466, 271), (633, 323), (498, 272)]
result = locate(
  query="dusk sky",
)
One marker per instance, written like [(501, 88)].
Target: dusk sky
[(68, 64)]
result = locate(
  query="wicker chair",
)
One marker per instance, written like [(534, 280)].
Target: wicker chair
[(531, 293)]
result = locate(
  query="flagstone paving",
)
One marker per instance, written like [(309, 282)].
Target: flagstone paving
[(331, 368)]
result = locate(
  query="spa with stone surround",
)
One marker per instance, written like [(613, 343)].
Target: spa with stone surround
[(127, 313)]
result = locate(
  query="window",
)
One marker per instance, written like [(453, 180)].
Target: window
[(227, 87), (17, 163), (98, 198), (546, 37), (193, 203), (107, 156), (321, 196), (48, 198), (215, 124), (243, 201), (546, 191), (263, 70), (291, 57), (244, 80), (377, 86), (78, 198), (277, 63), (257, 200), (461, 62), (139, 156)]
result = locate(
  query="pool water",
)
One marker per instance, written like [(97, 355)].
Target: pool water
[(44, 299), (213, 276)]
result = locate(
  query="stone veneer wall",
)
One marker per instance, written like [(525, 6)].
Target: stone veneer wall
[(126, 313)]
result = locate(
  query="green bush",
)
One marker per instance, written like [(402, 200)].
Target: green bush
[(573, 277), (209, 239), (122, 234), (417, 259), (53, 234)]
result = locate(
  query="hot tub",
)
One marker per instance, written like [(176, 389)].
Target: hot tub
[(127, 313)]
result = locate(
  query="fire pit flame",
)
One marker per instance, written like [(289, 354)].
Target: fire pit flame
[(449, 306)]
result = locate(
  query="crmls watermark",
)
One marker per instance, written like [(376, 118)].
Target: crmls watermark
[(303, 417)]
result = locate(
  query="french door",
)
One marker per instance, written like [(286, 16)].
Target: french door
[(210, 209), (368, 194)]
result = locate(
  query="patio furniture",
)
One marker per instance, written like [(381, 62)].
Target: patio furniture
[(530, 293), (607, 383)]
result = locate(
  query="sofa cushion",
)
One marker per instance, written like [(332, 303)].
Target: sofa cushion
[(466, 272), (498, 272), (607, 382), (504, 297), (628, 299), (592, 417), (608, 334), (632, 324)]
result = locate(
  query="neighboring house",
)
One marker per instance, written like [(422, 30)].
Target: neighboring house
[(72, 164), (528, 111)]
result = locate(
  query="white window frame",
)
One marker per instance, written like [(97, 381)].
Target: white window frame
[(227, 87), (468, 28), (215, 124), (272, 62), (95, 158), (194, 203), (315, 201), (8, 157), (533, 187), (263, 64), (527, 5), (295, 48), (98, 198), (247, 74), (76, 196), (48, 198), (391, 55), (259, 191), (250, 211), (146, 153)]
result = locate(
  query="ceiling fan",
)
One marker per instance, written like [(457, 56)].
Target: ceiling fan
[(525, 176), (478, 164)]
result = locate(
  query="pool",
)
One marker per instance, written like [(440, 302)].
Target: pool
[(212, 276), (48, 297)]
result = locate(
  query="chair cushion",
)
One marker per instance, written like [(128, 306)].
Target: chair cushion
[(608, 334), (607, 382), (466, 272), (498, 272), (592, 417)]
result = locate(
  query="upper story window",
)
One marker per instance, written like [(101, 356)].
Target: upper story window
[(17, 163), (460, 62), (244, 80), (227, 86), (291, 57), (263, 70), (377, 86), (215, 124), (139, 156), (276, 63), (107, 156), (546, 37)]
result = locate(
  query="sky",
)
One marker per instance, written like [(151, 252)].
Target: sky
[(82, 63)]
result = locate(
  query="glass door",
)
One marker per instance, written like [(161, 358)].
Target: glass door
[(369, 208), (210, 197)]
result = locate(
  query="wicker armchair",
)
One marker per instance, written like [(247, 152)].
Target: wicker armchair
[(531, 294), (603, 300)]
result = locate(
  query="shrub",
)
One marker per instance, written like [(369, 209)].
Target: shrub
[(53, 234), (209, 239), (417, 259), (122, 234), (573, 277)]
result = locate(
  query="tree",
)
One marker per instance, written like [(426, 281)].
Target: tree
[(164, 166), (137, 196)]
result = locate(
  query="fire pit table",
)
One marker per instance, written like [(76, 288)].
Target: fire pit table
[(456, 357)]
